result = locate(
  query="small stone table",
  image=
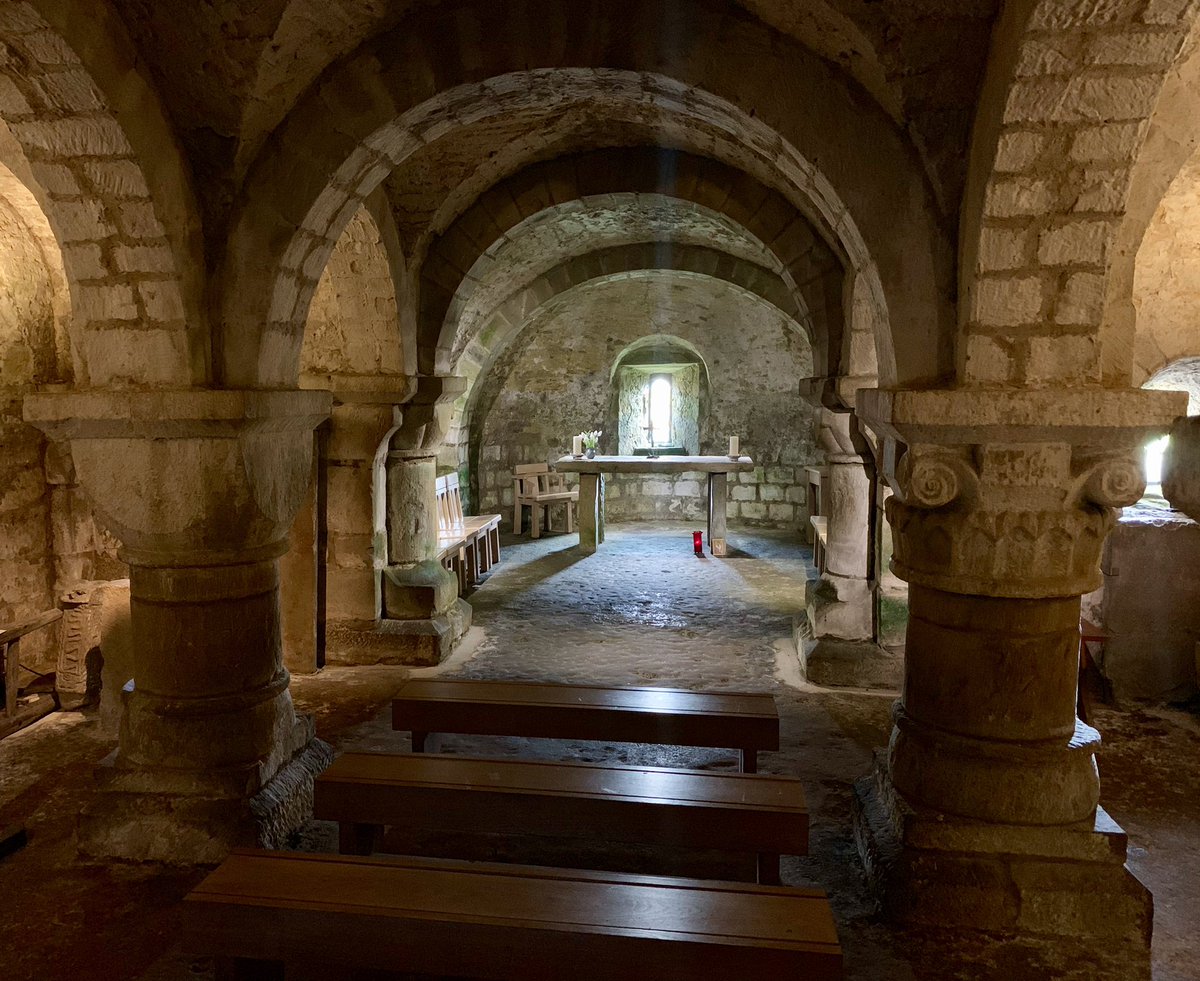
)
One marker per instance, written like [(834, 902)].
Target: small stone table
[(591, 488)]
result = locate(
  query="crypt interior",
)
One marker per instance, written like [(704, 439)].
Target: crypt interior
[(912, 285)]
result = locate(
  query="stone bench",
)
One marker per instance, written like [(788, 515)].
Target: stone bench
[(336, 914), (745, 721), (693, 809)]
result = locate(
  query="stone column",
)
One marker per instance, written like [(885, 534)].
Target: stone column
[(984, 812), (421, 608), (366, 409), (841, 603), (201, 487)]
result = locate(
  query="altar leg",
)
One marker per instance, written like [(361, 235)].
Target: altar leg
[(716, 514), (589, 512), (600, 518)]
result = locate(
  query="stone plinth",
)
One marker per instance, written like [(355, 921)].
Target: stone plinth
[(201, 487), (984, 815)]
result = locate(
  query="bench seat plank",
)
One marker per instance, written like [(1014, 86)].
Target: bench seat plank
[(492, 921), (746, 721), (697, 809)]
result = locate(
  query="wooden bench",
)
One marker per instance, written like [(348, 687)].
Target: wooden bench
[(537, 486), (467, 545), (696, 809), (13, 714), (745, 721), (339, 914)]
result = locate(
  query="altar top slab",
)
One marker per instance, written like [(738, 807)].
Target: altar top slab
[(661, 464)]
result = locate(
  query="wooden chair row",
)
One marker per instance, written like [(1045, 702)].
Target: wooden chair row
[(468, 546)]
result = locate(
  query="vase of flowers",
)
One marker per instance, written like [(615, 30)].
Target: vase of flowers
[(589, 442)]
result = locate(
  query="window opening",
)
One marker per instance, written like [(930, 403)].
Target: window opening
[(656, 410)]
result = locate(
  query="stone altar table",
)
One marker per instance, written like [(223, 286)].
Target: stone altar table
[(591, 488)]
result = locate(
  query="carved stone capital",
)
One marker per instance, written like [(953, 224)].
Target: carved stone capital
[(189, 477), (425, 415), (1017, 504)]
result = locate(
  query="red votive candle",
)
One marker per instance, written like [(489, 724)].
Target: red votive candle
[(698, 542)]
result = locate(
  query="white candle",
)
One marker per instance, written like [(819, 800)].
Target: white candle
[(577, 446), (733, 446)]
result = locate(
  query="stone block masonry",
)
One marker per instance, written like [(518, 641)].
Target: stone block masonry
[(557, 380)]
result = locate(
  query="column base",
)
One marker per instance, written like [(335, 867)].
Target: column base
[(840, 607), (835, 663), (1064, 888), (181, 818), (416, 643)]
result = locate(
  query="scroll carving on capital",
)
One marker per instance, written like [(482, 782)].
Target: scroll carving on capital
[(934, 478), (1110, 481)]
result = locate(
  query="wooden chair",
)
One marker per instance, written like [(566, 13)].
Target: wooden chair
[(539, 487)]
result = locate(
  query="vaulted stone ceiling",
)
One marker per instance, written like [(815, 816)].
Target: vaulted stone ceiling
[(229, 72)]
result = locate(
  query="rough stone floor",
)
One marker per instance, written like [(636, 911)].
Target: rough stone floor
[(643, 610)]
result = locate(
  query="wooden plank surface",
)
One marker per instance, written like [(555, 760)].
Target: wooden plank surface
[(664, 464), (491, 921), (654, 805), (741, 720)]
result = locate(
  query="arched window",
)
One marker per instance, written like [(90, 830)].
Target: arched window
[(656, 412)]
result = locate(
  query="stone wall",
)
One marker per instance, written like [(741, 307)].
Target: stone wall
[(556, 380), (1150, 604)]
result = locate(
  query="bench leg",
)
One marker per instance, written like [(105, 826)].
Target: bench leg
[(535, 519), (357, 839), (768, 869), (517, 517), (749, 760), (418, 741), (245, 969), (494, 544)]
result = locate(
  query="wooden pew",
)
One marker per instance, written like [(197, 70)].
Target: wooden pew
[(745, 721), (695, 809), (339, 914), (467, 545)]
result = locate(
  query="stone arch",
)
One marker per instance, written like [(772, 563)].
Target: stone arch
[(96, 144), (506, 319), (1064, 109), (417, 84), (455, 257), (1157, 232), (580, 331)]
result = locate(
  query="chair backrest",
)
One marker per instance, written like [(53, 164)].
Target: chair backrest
[(449, 504), (528, 479)]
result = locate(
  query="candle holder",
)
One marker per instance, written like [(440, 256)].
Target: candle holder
[(698, 542)]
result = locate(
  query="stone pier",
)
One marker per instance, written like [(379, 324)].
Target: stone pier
[(984, 812), (842, 648), (201, 488), (423, 617)]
